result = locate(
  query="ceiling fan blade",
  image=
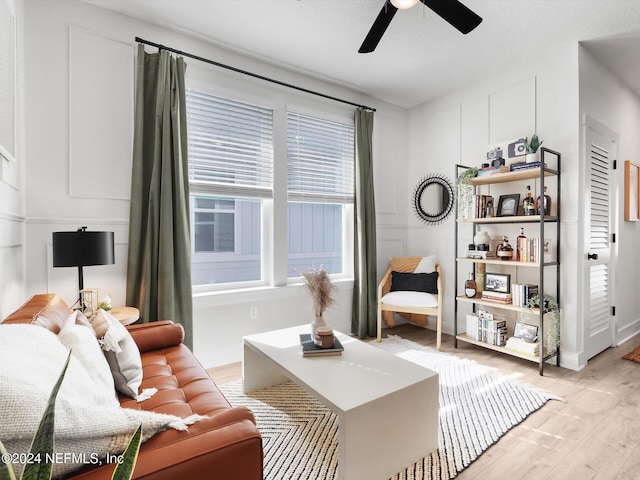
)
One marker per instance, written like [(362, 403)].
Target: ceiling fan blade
[(378, 28), (454, 12)]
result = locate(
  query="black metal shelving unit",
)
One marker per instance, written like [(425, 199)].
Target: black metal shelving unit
[(542, 221)]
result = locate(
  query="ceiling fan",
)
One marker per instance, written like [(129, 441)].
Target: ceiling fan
[(454, 12)]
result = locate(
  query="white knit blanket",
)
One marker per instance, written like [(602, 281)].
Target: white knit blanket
[(89, 422)]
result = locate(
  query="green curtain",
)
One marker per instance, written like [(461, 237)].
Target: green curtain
[(159, 261), (363, 315)]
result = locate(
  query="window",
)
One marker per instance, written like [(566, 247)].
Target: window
[(230, 177), (239, 222), (320, 192), (214, 221)]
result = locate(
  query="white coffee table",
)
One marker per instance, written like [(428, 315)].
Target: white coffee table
[(387, 407)]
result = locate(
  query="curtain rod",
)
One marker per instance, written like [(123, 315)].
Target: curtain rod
[(254, 75)]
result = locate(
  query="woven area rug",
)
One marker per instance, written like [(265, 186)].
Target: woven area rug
[(634, 355), (477, 407)]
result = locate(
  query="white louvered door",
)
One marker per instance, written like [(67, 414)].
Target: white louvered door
[(598, 213)]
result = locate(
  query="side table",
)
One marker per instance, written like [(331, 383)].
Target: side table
[(126, 315)]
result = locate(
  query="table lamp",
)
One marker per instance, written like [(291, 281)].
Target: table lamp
[(81, 249)]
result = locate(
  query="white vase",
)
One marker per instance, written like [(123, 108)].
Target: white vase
[(532, 157), (482, 238), (317, 322)]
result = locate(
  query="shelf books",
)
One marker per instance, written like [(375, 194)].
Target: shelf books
[(529, 249), (522, 346), (481, 254), (514, 167), (498, 297), (480, 203), (522, 293), (487, 329), (492, 170), (310, 349)]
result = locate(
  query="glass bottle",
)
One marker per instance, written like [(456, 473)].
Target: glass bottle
[(504, 251), (470, 287), (545, 206), (528, 207), (520, 245)]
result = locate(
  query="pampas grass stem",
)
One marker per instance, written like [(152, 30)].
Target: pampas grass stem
[(320, 288)]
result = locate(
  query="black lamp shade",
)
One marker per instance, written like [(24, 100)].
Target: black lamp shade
[(82, 248)]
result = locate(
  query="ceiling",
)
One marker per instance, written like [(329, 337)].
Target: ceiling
[(420, 56)]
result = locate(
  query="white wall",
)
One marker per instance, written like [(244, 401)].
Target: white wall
[(606, 99), (79, 72), (457, 128), (12, 198)]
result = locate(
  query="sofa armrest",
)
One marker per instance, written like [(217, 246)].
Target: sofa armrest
[(232, 451), (156, 335)]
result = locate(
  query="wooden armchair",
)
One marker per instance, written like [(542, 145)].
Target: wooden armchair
[(412, 305)]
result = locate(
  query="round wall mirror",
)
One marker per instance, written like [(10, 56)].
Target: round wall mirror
[(433, 199)]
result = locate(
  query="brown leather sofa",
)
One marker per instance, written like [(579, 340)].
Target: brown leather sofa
[(226, 445)]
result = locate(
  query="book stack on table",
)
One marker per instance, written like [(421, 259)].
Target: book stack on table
[(310, 349)]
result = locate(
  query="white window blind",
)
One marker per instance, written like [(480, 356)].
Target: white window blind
[(320, 159), (230, 146)]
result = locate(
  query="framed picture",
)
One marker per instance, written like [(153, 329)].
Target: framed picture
[(497, 282), (529, 333), (508, 205), (631, 191)]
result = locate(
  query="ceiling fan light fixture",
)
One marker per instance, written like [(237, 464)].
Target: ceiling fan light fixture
[(403, 4)]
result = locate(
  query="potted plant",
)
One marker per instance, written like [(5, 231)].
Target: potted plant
[(465, 191), (552, 316), (321, 290), (532, 149)]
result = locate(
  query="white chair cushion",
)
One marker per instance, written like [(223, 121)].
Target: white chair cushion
[(410, 299)]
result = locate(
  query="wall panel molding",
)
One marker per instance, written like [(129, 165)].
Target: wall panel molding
[(101, 111), (12, 217), (76, 220), (512, 111), (12, 278)]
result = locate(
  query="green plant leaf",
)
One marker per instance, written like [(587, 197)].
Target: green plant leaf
[(534, 144), (6, 469), (124, 469), (42, 446)]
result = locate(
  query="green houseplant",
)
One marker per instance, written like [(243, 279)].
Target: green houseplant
[(533, 155), (533, 144), (41, 452), (552, 315), (465, 190)]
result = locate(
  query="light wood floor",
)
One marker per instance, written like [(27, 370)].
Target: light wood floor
[(595, 434)]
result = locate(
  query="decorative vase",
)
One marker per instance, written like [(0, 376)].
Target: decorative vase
[(532, 157), (317, 322), (482, 238)]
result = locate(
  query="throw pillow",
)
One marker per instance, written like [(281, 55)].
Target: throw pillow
[(122, 355), (426, 265), (88, 426), (82, 342), (414, 282)]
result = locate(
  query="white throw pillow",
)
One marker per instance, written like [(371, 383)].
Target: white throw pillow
[(32, 359), (410, 299), (82, 342), (426, 265), (121, 352)]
